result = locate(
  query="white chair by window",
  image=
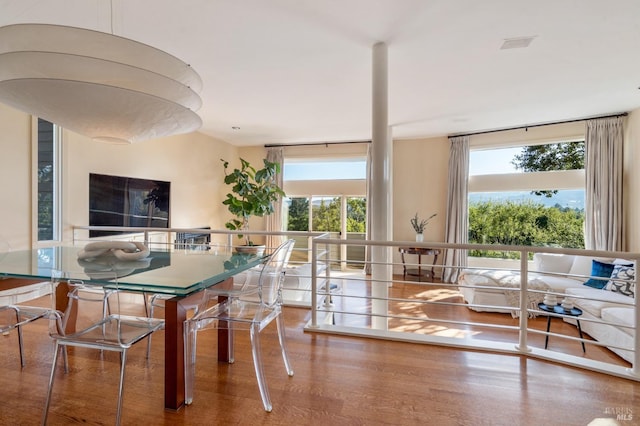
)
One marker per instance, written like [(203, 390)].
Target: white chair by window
[(248, 307), (84, 324)]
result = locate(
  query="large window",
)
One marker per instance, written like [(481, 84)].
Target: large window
[(527, 195), (48, 181), (326, 193)]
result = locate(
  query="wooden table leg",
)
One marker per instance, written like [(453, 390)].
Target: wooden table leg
[(175, 314), (62, 302), (225, 338)]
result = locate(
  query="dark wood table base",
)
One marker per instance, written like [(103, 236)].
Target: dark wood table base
[(175, 315)]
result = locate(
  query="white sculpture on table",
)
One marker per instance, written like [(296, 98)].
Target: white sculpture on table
[(111, 259)]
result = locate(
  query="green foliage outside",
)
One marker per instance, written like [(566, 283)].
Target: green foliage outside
[(45, 202), (524, 224), (326, 215), (356, 215), (298, 215)]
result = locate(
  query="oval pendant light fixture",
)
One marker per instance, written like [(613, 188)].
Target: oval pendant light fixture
[(96, 84)]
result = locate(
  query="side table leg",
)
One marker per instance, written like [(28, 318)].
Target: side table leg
[(433, 272), (580, 333), (546, 339)]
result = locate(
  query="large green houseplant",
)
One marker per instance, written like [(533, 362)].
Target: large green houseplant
[(253, 193)]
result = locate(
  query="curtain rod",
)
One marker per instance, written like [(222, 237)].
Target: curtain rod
[(622, 114), (314, 143)]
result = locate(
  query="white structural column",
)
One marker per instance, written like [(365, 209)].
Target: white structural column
[(381, 194)]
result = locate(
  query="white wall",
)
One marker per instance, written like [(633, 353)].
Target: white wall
[(190, 162), (420, 169), (15, 177)]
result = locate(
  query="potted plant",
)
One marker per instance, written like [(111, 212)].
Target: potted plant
[(253, 193), (419, 225)]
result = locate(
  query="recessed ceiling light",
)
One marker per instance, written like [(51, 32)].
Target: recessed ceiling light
[(517, 42)]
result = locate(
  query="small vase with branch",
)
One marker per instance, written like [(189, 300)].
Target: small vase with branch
[(419, 225)]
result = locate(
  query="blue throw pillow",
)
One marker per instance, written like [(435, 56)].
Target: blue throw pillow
[(601, 270)]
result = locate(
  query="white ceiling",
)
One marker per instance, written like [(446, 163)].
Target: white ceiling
[(295, 71)]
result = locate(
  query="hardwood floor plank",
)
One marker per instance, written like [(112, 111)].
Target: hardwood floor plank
[(338, 380)]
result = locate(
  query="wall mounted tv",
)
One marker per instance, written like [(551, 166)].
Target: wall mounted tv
[(124, 201)]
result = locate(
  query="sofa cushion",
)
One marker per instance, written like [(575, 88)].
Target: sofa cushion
[(476, 279), (622, 280), (298, 277), (620, 316), (558, 283), (605, 299), (551, 262), (582, 265), (600, 270)]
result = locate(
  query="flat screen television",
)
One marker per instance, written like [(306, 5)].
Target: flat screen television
[(125, 201)]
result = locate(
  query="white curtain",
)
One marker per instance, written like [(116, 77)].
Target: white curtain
[(603, 167), (457, 224), (274, 220)]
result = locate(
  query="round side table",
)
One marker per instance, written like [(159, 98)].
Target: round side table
[(558, 309)]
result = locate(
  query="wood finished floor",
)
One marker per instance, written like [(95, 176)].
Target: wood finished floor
[(338, 381)]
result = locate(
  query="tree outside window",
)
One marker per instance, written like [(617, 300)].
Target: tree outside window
[(532, 220)]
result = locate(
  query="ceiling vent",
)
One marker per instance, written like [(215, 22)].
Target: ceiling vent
[(517, 43)]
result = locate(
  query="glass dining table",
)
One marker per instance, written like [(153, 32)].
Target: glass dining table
[(183, 274)]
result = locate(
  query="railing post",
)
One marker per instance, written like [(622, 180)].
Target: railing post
[(635, 368), (314, 286), (524, 287)]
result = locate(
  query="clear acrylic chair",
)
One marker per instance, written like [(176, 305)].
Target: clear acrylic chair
[(84, 324), (14, 315), (152, 302), (252, 309), (247, 282)]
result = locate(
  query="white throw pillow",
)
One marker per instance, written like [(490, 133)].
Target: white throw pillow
[(551, 262)]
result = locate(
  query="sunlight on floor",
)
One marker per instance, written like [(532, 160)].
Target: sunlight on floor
[(420, 327)]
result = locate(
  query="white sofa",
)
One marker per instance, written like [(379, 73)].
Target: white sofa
[(608, 316)]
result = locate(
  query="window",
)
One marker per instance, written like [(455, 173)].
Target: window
[(527, 195), (48, 181), (327, 194), (329, 169)]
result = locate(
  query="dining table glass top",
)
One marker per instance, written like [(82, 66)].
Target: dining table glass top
[(178, 272)]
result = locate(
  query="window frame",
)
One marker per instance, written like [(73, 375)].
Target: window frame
[(57, 185), (526, 181)]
